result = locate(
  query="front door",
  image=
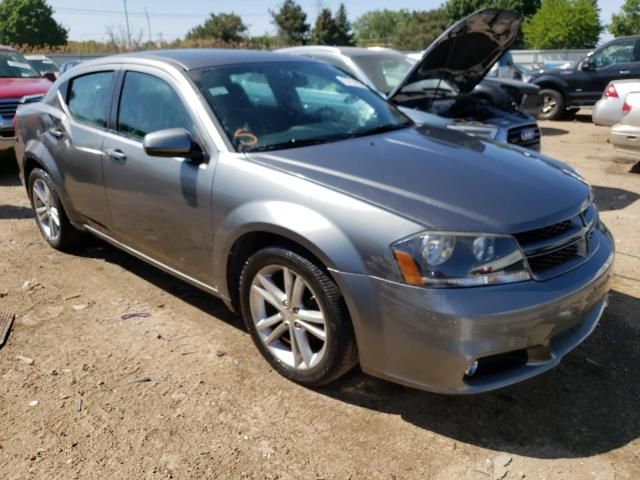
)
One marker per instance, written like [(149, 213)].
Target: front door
[(159, 206)]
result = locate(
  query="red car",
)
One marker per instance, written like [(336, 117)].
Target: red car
[(19, 83)]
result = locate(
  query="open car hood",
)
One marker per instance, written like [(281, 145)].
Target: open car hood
[(466, 51)]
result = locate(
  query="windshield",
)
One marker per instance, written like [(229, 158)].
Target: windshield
[(277, 105), (14, 65), (44, 66), (384, 70)]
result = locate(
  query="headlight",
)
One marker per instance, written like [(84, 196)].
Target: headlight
[(443, 259), (477, 130)]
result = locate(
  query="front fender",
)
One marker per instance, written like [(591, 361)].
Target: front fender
[(296, 223), (551, 81)]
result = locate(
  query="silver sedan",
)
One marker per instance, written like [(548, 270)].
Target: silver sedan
[(341, 232)]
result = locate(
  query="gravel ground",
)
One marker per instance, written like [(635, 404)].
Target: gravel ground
[(183, 393)]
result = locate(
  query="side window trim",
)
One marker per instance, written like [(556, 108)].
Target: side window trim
[(65, 91)]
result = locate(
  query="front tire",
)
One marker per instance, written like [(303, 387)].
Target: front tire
[(50, 216), (553, 104), (297, 317)]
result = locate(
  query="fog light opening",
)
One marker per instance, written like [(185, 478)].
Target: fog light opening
[(471, 369)]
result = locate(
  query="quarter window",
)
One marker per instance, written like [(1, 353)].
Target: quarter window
[(149, 104), (88, 97)]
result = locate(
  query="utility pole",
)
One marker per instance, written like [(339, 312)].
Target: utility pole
[(148, 24), (126, 16)]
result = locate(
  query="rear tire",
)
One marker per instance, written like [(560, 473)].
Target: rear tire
[(553, 105), (50, 216), (297, 317)]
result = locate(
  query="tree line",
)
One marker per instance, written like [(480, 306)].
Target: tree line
[(548, 24)]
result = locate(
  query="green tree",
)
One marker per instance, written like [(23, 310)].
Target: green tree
[(457, 9), (291, 22), (325, 31), (627, 22), (564, 24), (379, 26), (344, 35), (30, 22), (420, 29), (227, 27)]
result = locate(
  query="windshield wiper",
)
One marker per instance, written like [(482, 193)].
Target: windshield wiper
[(293, 143), (382, 129)]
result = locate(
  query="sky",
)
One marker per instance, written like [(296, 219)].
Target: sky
[(170, 19)]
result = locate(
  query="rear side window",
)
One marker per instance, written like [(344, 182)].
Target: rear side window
[(149, 104), (88, 97)]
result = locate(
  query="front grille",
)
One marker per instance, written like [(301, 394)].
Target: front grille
[(8, 107), (555, 249), (545, 233), (554, 259), (524, 136)]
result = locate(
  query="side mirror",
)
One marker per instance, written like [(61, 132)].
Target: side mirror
[(588, 65), (174, 142), (51, 76)]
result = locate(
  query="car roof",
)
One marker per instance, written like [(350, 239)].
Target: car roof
[(7, 48), (36, 57), (193, 59), (346, 51)]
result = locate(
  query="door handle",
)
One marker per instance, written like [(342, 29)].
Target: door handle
[(56, 132), (116, 154), (625, 72)]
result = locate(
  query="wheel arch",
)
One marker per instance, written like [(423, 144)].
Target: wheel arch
[(272, 224), (549, 82), (36, 156)]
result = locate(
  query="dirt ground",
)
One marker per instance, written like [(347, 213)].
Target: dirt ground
[(184, 394)]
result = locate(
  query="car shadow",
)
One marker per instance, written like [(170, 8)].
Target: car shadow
[(635, 168), (13, 212), (586, 406), (552, 132), (207, 303), (8, 173), (610, 198)]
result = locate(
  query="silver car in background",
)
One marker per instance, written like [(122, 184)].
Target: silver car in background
[(442, 86), (341, 231), (625, 135), (610, 109)]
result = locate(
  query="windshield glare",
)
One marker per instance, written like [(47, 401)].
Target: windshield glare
[(14, 65), (385, 70), (268, 106)]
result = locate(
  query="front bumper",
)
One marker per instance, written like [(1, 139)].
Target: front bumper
[(426, 338)]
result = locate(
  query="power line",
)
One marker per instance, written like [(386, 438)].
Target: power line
[(97, 12)]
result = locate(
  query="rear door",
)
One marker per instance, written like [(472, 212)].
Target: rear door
[(75, 139), (160, 206)]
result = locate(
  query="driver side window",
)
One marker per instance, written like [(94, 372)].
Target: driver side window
[(619, 52), (149, 104)]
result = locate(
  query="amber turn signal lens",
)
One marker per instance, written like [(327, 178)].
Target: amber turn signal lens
[(408, 268)]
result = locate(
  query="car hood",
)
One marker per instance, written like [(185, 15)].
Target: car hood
[(442, 179), (467, 50), (19, 87)]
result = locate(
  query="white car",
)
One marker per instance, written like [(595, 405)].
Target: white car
[(609, 109), (625, 136)]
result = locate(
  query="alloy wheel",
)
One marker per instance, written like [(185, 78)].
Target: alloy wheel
[(549, 104), (288, 317), (47, 213)]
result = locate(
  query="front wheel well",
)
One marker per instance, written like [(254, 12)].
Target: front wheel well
[(250, 243), (29, 164)]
